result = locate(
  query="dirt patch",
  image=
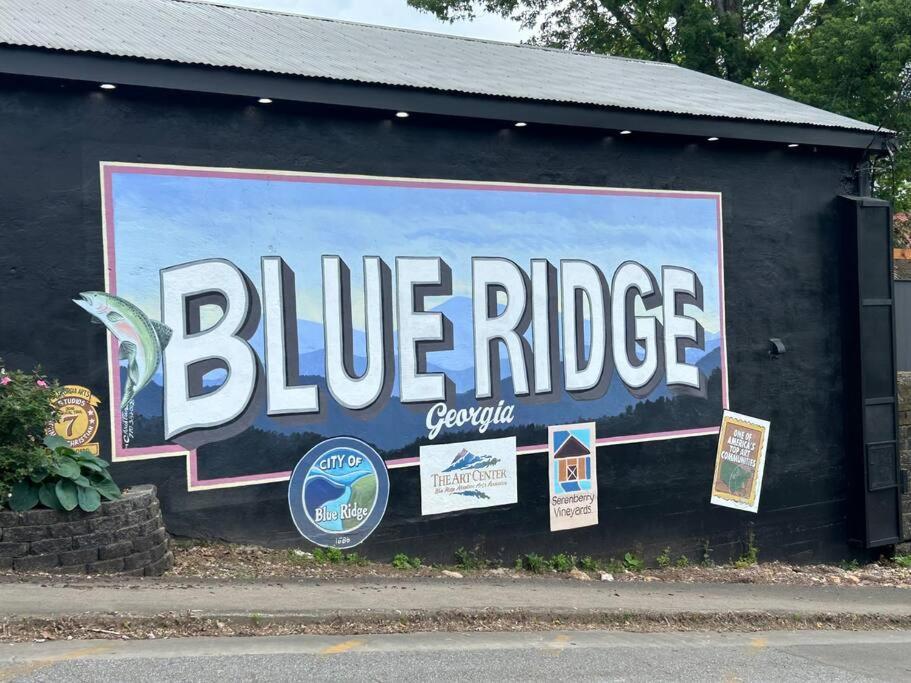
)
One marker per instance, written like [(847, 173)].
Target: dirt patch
[(232, 562), (228, 561), (164, 626)]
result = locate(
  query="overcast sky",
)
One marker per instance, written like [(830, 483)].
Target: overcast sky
[(392, 13)]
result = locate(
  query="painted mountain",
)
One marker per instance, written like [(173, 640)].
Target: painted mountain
[(465, 460)]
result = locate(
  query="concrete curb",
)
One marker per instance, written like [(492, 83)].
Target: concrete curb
[(386, 606)]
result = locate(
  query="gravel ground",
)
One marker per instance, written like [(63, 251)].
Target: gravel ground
[(228, 561), (127, 627)]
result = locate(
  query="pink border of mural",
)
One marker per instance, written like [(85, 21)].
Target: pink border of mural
[(194, 483)]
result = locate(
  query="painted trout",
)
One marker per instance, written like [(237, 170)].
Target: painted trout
[(141, 339)]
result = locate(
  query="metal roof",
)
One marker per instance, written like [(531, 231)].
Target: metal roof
[(195, 32)]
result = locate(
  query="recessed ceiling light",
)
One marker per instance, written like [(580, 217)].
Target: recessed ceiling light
[(108, 86), (713, 139), (264, 100), (793, 144), (521, 124), (402, 114), (625, 132)]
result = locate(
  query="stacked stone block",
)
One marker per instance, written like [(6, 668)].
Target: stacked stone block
[(904, 445), (125, 536)]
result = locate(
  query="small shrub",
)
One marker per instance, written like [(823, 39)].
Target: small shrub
[(69, 479), (589, 564), (707, 551), (469, 559), (615, 566), (534, 563), (43, 470), (682, 562), (563, 562), (664, 559), (849, 565), (632, 563), (328, 555), (25, 412), (751, 556), (402, 561), (900, 560), (356, 560)]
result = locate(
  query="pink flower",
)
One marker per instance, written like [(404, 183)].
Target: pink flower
[(41, 383), (5, 380)]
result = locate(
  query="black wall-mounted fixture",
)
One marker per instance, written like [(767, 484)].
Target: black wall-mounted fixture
[(776, 347)]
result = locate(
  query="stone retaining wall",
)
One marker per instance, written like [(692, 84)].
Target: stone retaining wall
[(125, 536)]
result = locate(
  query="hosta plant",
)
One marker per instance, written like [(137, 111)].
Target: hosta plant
[(70, 479)]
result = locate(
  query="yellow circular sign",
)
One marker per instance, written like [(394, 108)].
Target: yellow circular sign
[(77, 420)]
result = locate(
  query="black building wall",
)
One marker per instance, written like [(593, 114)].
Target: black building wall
[(782, 262)]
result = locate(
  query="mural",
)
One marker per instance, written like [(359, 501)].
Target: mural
[(254, 314)]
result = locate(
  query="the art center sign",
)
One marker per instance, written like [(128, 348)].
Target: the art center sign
[(280, 309)]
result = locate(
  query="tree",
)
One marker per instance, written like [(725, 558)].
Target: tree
[(726, 38), (852, 57)]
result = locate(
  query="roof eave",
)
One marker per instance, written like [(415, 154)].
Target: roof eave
[(41, 62)]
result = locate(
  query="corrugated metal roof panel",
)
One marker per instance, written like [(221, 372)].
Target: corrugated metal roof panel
[(194, 32)]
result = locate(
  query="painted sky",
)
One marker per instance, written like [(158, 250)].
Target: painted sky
[(161, 221)]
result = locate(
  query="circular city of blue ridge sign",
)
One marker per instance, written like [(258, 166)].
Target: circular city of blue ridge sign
[(338, 492)]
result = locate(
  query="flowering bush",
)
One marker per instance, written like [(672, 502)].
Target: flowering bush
[(35, 469), (25, 410)]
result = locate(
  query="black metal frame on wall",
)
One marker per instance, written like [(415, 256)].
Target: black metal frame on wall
[(870, 372), (782, 280)]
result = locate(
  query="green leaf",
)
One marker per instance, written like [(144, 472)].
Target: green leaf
[(47, 494), (95, 466), (55, 442), (108, 489), (38, 476), (67, 468), (100, 476), (24, 496), (89, 500), (67, 494), (82, 481)]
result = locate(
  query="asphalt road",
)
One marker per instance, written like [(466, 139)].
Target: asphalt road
[(574, 656)]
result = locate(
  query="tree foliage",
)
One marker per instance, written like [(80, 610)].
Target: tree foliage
[(852, 57)]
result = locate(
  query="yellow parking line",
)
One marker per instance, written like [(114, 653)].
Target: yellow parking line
[(557, 645), (339, 648)]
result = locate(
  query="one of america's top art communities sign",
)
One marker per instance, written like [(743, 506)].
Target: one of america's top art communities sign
[(253, 314)]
